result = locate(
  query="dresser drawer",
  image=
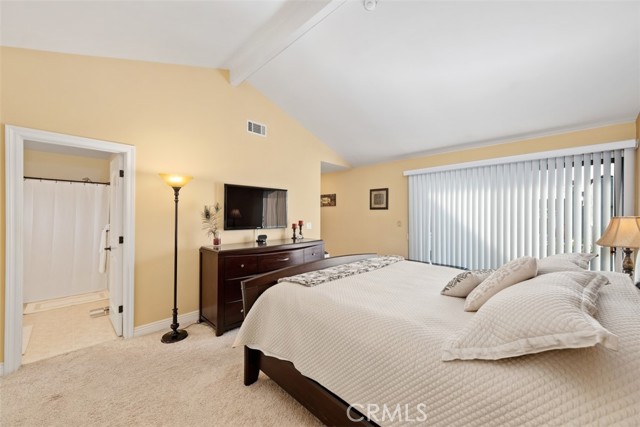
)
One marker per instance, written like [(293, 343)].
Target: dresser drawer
[(270, 262), (233, 313), (313, 253), (240, 266), (233, 290)]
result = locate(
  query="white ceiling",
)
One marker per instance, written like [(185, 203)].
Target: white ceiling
[(408, 78)]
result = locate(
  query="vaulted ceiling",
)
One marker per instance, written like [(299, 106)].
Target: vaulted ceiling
[(408, 78)]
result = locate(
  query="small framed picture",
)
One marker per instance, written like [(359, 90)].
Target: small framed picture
[(327, 200), (379, 198)]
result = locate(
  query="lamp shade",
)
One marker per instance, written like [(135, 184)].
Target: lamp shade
[(175, 180), (622, 232)]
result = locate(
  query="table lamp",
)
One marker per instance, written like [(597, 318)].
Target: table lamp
[(623, 232)]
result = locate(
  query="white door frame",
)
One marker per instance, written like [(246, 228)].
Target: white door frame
[(15, 138)]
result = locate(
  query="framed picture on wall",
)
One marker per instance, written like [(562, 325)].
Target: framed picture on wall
[(327, 200), (379, 198)]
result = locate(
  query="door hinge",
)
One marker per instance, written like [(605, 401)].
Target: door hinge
[(121, 173), (121, 239), (119, 309)]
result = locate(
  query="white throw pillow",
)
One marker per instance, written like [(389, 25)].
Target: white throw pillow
[(513, 272), (461, 285), (553, 265), (565, 262), (581, 259), (550, 312)]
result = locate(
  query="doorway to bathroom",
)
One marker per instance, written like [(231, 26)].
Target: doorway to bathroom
[(66, 219), (69, 244)]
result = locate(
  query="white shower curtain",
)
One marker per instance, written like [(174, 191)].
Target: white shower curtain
[(62, 226)]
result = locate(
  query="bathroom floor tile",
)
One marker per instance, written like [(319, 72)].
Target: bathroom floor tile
[(66, 329)]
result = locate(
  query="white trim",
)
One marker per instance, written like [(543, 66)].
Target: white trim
[(183, 319), (14, 171), (629, 143), (1, 369), (15, 138)]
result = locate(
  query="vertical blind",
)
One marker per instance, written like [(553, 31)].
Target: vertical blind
[(482, 217)]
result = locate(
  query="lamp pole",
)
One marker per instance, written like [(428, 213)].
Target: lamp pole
[(176, 182), (176, 334)]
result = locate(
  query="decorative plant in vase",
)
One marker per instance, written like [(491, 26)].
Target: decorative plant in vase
[(210, 222)]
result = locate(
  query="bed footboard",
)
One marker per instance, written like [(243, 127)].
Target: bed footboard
[(326, 406), (254, 287)]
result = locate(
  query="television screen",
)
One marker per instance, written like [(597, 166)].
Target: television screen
[(247, 208)]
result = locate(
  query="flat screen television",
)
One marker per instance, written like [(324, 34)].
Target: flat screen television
[(249, 208)]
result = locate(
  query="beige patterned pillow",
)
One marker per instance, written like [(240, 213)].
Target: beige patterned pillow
[(514, 271), (550, 312), (465, 282)]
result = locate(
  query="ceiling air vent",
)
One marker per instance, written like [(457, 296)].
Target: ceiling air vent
[(257, 128)]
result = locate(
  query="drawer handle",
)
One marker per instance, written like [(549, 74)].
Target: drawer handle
[(283, 259), (241, 265), (242, 310)]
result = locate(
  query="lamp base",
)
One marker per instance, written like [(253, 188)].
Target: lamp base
[(174, 336), (627, 262)]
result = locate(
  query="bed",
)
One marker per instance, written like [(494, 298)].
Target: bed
[(373, 342)]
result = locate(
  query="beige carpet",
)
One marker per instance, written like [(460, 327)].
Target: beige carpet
[(142, 382)]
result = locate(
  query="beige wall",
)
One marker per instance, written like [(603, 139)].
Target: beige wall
[(2, 209), (180, 119), (638, 165), (43, 164), (350, 227)]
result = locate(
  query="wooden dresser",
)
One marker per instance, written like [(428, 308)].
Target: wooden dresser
[(222, 269)]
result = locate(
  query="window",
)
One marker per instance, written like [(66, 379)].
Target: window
[(481, 216)]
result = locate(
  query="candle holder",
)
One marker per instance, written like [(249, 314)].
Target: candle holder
[(300, 231), (294, 238), (300, 224)]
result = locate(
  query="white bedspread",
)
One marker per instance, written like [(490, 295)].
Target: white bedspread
[(376, 339)]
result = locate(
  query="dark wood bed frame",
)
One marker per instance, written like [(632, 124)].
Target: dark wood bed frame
[(329, 408)]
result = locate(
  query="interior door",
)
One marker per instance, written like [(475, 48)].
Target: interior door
[(115, 279)]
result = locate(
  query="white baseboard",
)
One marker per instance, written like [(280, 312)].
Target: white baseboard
[(1, 369), (165, 324)]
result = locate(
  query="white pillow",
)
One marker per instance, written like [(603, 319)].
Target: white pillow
[(565, 262), (581, 259), (513, 272), (465, 282), (553, 265), (549, 312)]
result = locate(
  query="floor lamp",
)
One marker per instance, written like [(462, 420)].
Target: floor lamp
[(176, 182)]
